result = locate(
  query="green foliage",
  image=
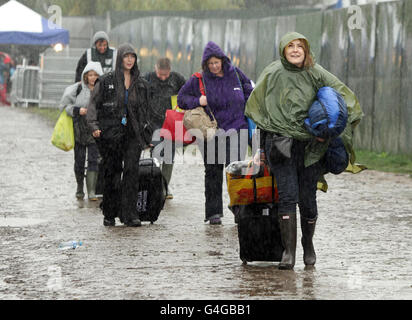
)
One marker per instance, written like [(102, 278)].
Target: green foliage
[(99, 7)]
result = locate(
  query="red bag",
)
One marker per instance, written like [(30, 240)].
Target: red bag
[(173, 128)]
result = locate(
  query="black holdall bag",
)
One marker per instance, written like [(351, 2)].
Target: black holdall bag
[(259, 231), (152, 190)]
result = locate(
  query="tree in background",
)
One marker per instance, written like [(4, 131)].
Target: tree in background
[(40, 6), (99, 7)]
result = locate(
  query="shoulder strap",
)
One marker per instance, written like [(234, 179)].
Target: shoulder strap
[(79, 89), (238, 79), (201, 85), (203, 92)]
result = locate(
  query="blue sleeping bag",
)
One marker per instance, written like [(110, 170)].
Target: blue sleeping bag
[(327, 115), (336, 158)]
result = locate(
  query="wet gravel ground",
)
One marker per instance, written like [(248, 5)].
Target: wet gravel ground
[(363, 238)]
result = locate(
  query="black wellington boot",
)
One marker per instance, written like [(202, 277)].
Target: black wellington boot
[(287, 224), (80, 184), (308, 229)]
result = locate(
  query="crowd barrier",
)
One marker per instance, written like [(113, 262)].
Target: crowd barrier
[(25, 86)]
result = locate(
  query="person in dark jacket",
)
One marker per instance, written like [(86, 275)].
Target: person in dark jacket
[(119, 122), (99, 52), (164, 84), (75, 101), (227, 90)]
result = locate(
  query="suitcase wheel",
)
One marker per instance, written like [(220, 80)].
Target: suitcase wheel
[(244, 262)]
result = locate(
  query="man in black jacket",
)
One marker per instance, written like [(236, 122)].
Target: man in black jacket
[(99, 52), (164, 84)]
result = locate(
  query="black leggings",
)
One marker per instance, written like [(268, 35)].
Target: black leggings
[(121, 177)]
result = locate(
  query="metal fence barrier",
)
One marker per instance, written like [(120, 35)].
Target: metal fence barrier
[(45, 85), (25, 86), (57, 72)]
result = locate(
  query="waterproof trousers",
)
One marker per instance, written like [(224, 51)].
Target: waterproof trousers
[(120, 160)]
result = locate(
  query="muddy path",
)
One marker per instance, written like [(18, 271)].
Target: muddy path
[(363, 236)]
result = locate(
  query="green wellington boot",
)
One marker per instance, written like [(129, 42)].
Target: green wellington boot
[(91, 180)]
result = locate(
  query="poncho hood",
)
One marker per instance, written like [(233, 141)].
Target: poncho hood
[(290, 36)]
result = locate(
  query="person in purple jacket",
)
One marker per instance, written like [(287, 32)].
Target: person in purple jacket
[(227, 90)]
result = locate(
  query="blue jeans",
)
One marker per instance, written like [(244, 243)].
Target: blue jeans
[(296, 183)]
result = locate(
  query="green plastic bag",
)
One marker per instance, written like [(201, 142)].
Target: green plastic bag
[(63, 134)]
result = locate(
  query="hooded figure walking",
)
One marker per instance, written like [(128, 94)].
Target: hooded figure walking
[(99, 52), (75, 100), (119, 122), (227, 90), (279, 105)]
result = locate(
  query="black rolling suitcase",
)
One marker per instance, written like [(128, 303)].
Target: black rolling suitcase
[(152, 190), (258, 224), (259, 233)]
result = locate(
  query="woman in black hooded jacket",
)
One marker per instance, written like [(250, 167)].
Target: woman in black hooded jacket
[(118, 120)]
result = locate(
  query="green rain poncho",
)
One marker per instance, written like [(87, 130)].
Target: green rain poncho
[(283, 95)]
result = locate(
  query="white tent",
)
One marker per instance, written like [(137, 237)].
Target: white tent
[(21, 25)]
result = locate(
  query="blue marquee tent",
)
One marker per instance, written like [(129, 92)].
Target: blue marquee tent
[(21, 25)]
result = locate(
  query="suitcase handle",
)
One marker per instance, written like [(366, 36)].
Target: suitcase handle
[(266, 174), (250, 165)]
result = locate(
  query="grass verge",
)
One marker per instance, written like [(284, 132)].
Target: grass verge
[(50, 114), (382, 161)]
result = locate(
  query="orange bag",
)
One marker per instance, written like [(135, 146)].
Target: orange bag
[(251, 188)]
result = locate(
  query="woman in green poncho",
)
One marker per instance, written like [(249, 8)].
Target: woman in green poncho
[(279, 105)]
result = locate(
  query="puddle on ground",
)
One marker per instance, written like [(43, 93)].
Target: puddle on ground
[(19, 222)]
